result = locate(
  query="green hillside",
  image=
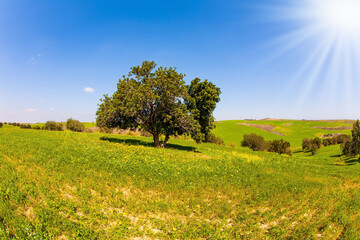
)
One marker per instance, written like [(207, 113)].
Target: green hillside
[(65, 185), (292, 130)]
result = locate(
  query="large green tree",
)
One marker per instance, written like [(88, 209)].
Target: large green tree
[(153, 99), (352, 148), (204, 97)]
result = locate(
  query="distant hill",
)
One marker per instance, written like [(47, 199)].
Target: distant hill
[(291, 130)]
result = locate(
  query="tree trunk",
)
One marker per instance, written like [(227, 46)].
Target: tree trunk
[(167, 137), (156, 140)]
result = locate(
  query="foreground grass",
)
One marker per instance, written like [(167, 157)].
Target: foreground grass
[(62, 185)]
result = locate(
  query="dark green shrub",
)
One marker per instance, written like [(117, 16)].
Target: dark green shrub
[(74, 125), (305, 144), (278, 146), (5, 123), (341, 139), (214, 139), (25, 126), (1, 124), (254, 142), (311, 145), (347, 150), (351, 147), (316, 141), (327, 141), (313, 148), (53, 126), (289, 152), (36, 127)]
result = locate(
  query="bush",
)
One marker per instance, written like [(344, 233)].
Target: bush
[(232, 145), (279, 146), (1, 124), (305, 144), (53, 126), (289, 152), (74, 125), (254, 142), (25, 126), (347, 150), (316, 141), (341, 139), (327, 141), (311, 145), (36, 127), (214, 139)]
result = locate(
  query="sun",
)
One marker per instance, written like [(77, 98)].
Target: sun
[(341, 16), (322, 40)]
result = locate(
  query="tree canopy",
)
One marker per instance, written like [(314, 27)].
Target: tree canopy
[(152, 98), (204, 96), (352, 147)]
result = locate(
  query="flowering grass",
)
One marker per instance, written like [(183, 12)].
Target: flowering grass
[(65, 185)]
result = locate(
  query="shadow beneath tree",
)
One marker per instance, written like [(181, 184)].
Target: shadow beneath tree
[(137, 142)]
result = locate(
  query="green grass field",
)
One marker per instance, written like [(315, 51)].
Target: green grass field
[(65, 185), (293, 131)]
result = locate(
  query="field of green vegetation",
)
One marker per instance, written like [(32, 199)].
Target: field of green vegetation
[(293, 131), (65, 185)]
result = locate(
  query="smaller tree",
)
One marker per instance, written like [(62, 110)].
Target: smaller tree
[(352, 147), (254, 142), (311, 145), (279, 146), (305, 144), (25, 126), (327, 142), (212, 138), (1, 124), (204, 96), (74, 125), (53, 126)]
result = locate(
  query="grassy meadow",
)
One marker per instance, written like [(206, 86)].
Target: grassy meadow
[(293, 130), (66, 185)]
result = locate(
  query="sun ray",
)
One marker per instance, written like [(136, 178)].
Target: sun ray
[(324, 37)]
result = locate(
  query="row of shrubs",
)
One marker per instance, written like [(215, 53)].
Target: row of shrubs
[(336, 140), (12, 124), (71, 124), (313, 145), (258, 143)]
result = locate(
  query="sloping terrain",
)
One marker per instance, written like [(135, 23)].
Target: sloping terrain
[(64, 185), (292, 130)]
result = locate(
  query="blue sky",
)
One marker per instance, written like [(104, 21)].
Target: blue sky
[(50, 51)]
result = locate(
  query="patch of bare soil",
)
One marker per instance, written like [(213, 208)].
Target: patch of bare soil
[(93, 129), (332, 121), (335, 128), (267, 128), (288, 124), (115, 131)]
